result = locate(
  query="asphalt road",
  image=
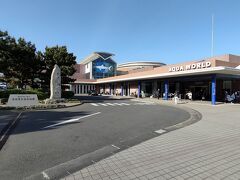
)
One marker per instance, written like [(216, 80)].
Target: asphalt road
[(6, 117), (34, 146)]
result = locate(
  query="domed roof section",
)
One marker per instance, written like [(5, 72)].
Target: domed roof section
[(141, 64)]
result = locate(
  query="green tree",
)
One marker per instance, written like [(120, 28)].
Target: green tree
[(22, 65), (26, 62), (19, 60), (7, 47), (65, 60)]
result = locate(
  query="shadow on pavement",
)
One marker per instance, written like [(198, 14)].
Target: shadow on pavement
[(38, 120)]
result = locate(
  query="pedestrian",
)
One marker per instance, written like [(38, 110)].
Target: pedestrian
[(189, 94), (226, 96), (158, 93)]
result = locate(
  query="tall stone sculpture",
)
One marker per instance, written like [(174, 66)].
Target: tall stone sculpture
[(55, 84)]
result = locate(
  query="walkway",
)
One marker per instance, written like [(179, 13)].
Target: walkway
[(208, 149)]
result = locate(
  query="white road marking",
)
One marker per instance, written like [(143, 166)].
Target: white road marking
[(115, 146), (110, 104), (149, 103), (103, 104), (125, 104), (6, 132), (160, 131), (119, 104), (139, 103), (45, 176), (71, 120)]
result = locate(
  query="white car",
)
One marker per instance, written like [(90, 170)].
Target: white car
[(3, 86)]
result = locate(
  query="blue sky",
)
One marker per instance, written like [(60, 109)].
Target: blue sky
[(169, 31)]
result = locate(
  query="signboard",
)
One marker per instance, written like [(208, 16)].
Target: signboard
[(22, 100), (190, 66), (103, 67)]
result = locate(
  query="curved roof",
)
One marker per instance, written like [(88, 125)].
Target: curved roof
[(141, 63), (95, 55)]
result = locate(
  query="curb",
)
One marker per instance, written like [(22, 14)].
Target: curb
[(4, 134), (60, 106), (66, 168), (195, 116)]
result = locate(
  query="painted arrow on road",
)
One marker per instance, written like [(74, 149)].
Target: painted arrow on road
[(71, 120)]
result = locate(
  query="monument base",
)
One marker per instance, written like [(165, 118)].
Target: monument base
[(54, 101)]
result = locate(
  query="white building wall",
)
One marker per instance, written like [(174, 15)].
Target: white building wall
[(91, 76), (87, 67)]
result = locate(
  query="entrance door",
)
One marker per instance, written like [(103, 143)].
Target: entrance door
[(200, 92), (126, 89), (147, 88)]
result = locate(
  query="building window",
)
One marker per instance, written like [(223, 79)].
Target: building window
[(227, 85)]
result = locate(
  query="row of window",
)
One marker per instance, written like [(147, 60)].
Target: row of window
[(83, 89)]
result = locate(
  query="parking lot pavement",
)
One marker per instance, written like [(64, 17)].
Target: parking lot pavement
[(6, 117), (208, 149), (8, 120)]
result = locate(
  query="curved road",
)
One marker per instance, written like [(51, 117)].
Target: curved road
[(44, 139)]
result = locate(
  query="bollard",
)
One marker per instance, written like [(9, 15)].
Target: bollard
[(175, 100)]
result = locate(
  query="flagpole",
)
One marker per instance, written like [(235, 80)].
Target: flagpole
[(212, 34)]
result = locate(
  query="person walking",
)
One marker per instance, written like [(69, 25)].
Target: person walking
[(158, 93)]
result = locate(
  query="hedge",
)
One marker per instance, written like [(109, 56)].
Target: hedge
[(67, 94), (41, 95)]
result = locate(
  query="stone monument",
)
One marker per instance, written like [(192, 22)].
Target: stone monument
[(55, 86)]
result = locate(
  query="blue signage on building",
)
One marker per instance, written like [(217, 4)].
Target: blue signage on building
[(103, 68)]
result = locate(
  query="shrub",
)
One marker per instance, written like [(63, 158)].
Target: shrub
[(41, 95), (67, 94), (3, 101)]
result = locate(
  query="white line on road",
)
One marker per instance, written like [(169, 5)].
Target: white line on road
[(160, 131), (115, 146), (139, 103), (71, 120), (94, 104), (103, 104), (45, 176), (125, 104), (110, 104), (119, 104), (9, 128)]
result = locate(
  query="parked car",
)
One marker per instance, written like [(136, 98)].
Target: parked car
[(92, 93), (3, 86)]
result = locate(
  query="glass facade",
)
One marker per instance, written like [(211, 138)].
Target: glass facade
[(103, 68)]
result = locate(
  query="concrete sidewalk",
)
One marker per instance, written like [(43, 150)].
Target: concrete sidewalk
[(208, 149)]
